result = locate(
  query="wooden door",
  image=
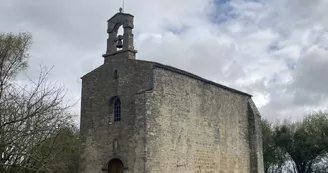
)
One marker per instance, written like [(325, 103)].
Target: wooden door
[(115, 166)]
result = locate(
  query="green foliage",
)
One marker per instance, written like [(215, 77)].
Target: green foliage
[(304, 142), (268, 145), (13, 54), (274, 158), (60, 152)]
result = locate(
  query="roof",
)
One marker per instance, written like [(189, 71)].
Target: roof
[(182, 72), (185, 73), (123, 14)]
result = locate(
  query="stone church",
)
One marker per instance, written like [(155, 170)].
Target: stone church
[(145, 117)]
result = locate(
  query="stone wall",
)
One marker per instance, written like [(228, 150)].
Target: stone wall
[(171, 122), (256, 144), (98, 129), (195, 127)]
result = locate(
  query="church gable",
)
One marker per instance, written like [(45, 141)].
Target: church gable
[(141, 116)]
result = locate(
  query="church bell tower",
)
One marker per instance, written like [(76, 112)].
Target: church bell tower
[(120, 45), (111, 127)]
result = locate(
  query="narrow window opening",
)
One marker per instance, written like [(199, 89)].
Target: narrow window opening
[(117, 110), (115, 144), (115, 74)]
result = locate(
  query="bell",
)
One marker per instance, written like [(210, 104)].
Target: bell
[(119, 44)]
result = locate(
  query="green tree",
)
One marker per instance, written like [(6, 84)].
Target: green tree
[(60, 153), (274, 157), (305, 142)]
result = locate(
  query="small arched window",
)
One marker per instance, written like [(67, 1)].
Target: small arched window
[(117, 110), (115, 74), (115, 144)]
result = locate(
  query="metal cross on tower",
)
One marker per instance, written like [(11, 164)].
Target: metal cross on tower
[(123, 6)]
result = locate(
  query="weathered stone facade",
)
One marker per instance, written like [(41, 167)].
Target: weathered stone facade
[(171, 121)]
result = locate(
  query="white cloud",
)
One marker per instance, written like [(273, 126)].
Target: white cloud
[(274, 49)]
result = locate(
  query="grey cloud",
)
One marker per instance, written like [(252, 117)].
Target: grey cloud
[(310, 77), (307, 90), (82, 23), (72, 34)]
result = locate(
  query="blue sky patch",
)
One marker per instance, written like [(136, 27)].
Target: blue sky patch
[(177, 30), (222, 12), (291, 64)]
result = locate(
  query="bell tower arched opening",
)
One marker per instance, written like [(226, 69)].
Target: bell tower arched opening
[(119, 38)]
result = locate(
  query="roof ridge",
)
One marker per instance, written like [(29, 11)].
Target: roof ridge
[(186, 73)]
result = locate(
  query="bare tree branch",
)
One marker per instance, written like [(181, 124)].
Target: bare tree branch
[(30, 114)]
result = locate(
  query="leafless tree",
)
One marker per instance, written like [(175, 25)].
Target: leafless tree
[(30, 113)]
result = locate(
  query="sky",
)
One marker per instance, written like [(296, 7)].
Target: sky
[(276, 50)]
